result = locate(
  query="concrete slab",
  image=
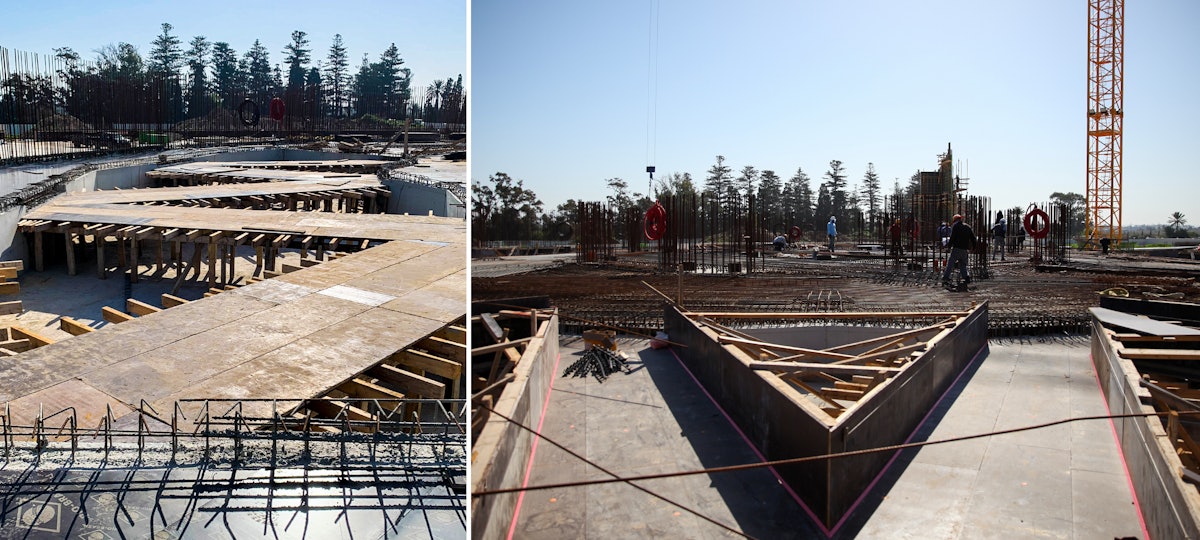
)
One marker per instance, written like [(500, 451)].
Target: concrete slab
[(995, 487)]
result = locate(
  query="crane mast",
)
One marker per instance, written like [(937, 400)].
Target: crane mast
[(1106, 55)]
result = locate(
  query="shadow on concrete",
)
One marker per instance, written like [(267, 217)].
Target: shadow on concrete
[(855, 521), (755, 498)]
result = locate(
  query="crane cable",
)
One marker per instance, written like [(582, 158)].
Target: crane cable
[(652, 92)]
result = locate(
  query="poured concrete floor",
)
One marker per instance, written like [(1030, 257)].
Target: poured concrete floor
[(1066, 481)]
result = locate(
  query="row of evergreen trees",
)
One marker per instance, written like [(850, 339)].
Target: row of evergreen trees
[(173, 82), (505, 210)]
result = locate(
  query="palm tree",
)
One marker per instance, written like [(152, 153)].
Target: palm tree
[(1175, 225)]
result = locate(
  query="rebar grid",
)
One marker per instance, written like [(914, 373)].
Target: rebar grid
[(238, 421)]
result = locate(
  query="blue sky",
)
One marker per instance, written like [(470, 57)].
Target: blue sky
[(560, 94), (430, 34)]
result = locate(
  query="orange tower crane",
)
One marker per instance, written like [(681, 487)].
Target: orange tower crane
[(1106, 68)]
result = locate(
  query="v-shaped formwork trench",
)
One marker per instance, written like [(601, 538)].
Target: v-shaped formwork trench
[(812, 384)]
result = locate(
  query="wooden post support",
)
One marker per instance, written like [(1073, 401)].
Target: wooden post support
[(133, 258), (70, 236), (212, 264), (37, 251), (100, 269)]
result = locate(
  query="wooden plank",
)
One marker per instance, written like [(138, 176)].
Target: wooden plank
[(16, 265), (487, 349), (1160, 354), (35, 339), (429, 363), (8, 273), (17, 345), (73, 327), (456, 333), (113, 316), (1140, 324), (139, 308), (492, 327), (831, 368), (838, 393), (170, 301), (9, 308), (454, 351), (408, 383), (364, 389), (773, 346)]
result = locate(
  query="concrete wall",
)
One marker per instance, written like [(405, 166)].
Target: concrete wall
[(781, 425), (12, 243), (500, 454), (420, 199), (1170, 506)]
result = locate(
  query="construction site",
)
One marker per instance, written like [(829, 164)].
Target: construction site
[(248, 332), (691, 372)]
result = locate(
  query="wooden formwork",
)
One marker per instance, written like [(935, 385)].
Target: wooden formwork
[(515, 386), (1145, 355), (824, 383)]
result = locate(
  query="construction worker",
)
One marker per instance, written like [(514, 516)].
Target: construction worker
[(780, 242), (962, 241), (831, 230), (894, 231), (999, 230)]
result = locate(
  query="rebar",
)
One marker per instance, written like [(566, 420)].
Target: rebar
[(597, 362)]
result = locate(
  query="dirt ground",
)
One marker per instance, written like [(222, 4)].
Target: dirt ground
[(1022, 298)]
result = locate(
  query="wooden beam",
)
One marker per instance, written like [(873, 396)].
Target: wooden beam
[(456, 352), (8, 273), (113, 316), (833, 368), (428, 363), (73, 327), (359, 388), (16, 345), (9, 308), (35, 339), (772, 346), (408, 383), (1157, 354), (170, 301), (488, 349), (10, 287), (139, 308)]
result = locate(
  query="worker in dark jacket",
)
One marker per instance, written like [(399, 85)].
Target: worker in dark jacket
[(894, 231), (962, 241)]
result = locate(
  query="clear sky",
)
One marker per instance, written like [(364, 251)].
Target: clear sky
[(560, 94), (430, 34)]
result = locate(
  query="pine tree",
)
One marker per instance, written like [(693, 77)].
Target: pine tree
[(227, 77), (197, 59), (337, 74), (870, 190), (166, 56), (259, 82), (719, 180), (770, 201), (296, 55), (836, 182)]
